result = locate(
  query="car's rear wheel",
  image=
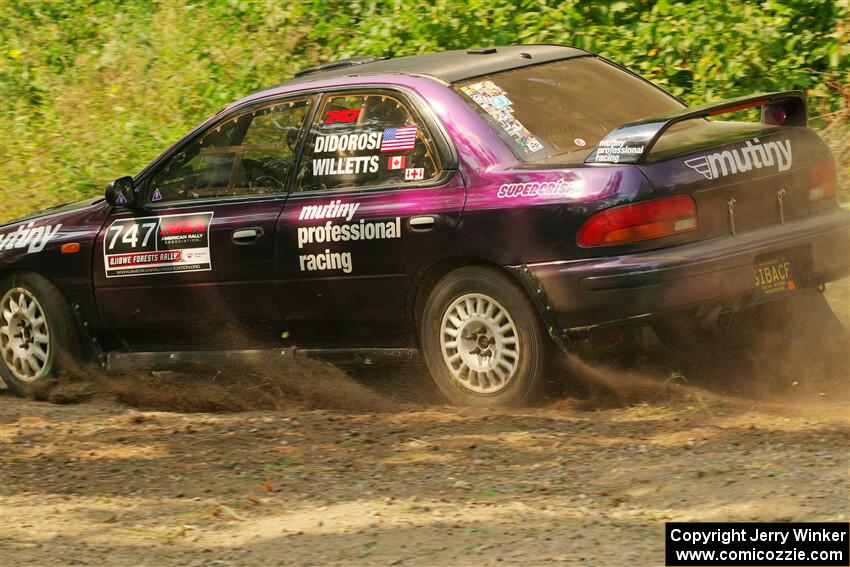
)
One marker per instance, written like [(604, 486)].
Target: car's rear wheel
[(481, 339), (37, 334)]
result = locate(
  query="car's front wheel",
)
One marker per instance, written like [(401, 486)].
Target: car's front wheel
[(37, 334), (481, 339)]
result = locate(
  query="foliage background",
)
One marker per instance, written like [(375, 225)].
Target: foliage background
[(93, 89)]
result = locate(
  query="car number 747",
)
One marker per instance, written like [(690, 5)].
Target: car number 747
[(131, 234)]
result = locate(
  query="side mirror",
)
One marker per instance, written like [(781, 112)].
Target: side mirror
[(119, 193)]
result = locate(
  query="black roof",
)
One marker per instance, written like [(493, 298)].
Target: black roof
[(450, 66)]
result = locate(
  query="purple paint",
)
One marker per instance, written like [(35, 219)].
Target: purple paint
[(288, 280)]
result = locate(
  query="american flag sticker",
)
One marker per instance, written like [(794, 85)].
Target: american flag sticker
[(396, 162), (398, 139)]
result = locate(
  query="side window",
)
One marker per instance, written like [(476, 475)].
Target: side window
[(266, 154), (250, 153), (364, 140)]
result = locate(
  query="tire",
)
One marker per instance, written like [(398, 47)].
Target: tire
[(482, 340), (38, 339)]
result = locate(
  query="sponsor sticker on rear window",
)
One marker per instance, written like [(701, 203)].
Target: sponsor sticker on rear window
[(157, 245), (493, 100)]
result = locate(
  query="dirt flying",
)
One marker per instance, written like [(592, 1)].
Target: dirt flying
[(307, 464)]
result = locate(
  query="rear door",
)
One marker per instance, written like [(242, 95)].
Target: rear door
[(195, 268), (377, 193)]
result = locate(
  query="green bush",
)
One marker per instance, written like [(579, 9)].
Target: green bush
[(94, 89)]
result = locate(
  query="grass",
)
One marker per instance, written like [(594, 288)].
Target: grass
[(93, 90)]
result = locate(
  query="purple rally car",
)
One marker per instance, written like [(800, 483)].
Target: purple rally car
[(481, 207)]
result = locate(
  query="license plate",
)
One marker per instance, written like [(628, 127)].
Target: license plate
[(774, 276)]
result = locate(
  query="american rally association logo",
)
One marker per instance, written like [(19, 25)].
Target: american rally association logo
[(754, 155), (141, 246)]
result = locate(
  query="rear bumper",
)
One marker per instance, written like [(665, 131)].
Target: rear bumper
[(586, 295)]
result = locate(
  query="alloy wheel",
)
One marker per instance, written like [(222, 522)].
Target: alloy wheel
[(24, 335), (480, 343)]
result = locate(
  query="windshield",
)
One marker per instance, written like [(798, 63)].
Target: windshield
[(558, 112)]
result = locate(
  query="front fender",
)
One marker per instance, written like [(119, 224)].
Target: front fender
[(35, 243)]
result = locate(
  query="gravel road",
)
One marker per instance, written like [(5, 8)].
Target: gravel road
[(371, 472)]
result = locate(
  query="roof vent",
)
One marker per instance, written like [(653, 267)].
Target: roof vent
[(342, 63), (481, 51)]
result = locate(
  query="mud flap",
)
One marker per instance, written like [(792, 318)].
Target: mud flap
[(90, 344), (541, 303)]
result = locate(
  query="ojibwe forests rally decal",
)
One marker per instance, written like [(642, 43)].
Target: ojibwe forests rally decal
[(339, 226), (158, 245)]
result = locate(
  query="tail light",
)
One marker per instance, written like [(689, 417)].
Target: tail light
[(640, 221), (822, 181)]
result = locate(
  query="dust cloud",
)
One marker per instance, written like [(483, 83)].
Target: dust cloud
[(299, 382), (794, 352)]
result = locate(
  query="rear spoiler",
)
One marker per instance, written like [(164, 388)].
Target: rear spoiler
[(632, 142)]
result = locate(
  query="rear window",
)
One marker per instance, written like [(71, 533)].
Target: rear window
[(557, 112)]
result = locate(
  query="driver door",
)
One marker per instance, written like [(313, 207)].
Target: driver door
[(195, 268)]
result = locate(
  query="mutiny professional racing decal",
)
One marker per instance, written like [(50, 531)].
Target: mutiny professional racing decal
[(158, 245), (338, 228), (754, 155)]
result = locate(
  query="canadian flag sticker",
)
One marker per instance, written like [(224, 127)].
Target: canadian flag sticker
[(414, 173), (396, 162)]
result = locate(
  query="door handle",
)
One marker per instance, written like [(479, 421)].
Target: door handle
[(422, 224), (246, 235)]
